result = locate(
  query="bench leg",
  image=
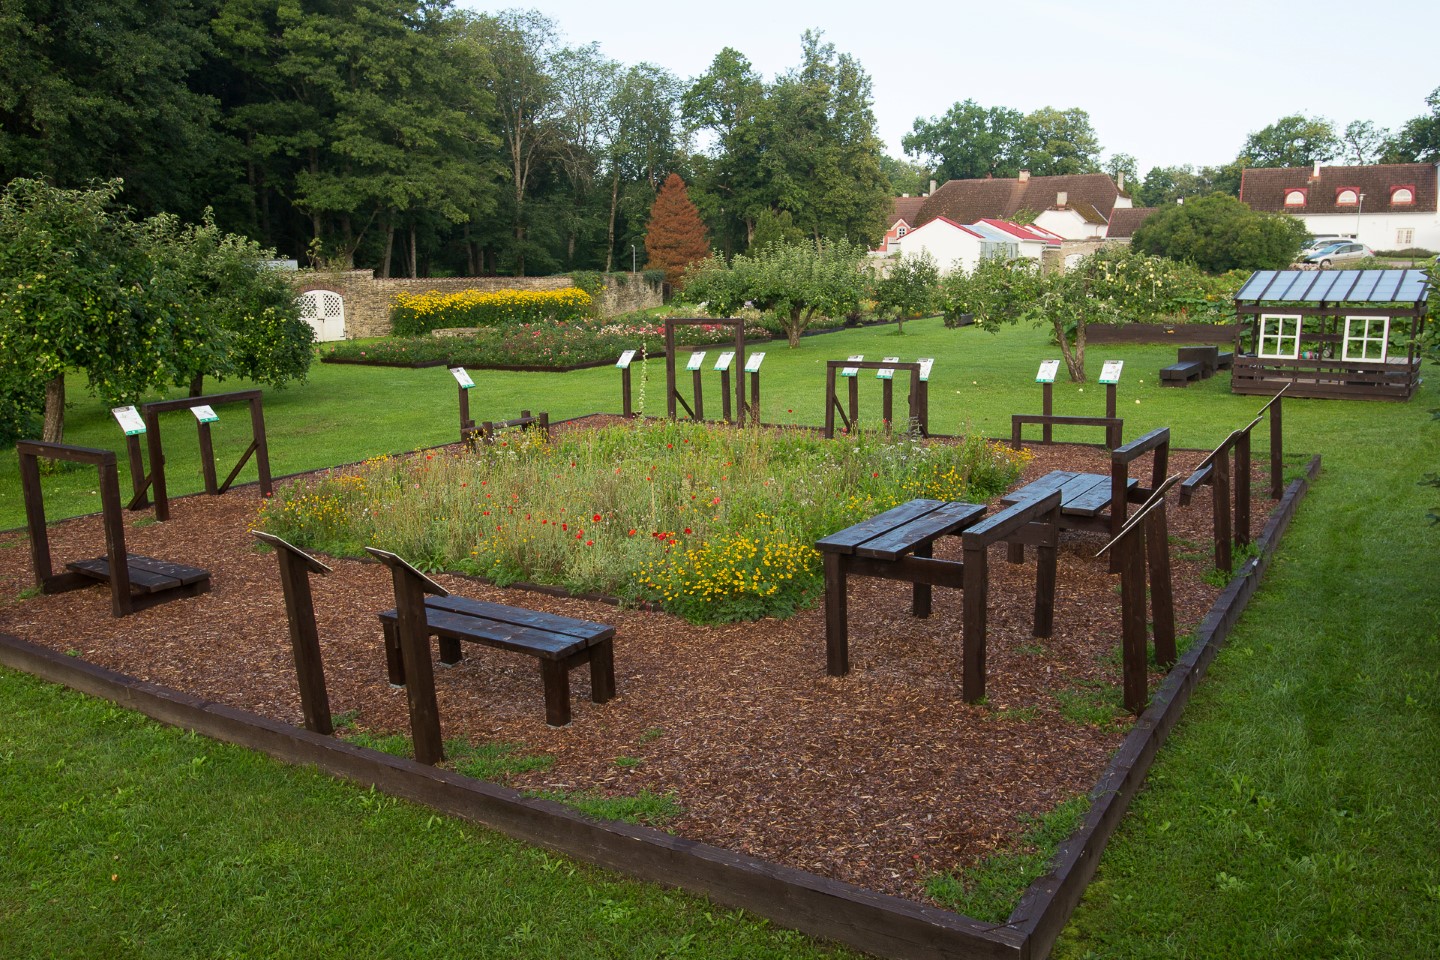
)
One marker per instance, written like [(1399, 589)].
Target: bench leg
[(1045, 566), (394, 663), (556, 677), (920, 599), (1015, 552), (449, 651), (976, 579), (602, 672), (837, 640)]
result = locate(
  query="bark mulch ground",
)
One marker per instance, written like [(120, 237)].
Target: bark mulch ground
[(880, 778)]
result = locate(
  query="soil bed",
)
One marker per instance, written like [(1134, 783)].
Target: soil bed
[(881, 778)]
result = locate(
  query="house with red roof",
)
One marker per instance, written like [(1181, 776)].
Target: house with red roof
[(1389, 206)]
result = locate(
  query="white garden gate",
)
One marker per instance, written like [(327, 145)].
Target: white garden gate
[(324, 310)]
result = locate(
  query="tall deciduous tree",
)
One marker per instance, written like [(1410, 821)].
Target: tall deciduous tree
[(1293, 141), (727, 103), (1219, 233), (642, 146), (1059, 142), (677, 236), (1419, 139), (969, 142)]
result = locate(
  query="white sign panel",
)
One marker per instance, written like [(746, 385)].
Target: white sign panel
[(1048, 369), (886, 373), (1110, 373), (723, 361), (204, 414), (462, 378), (625, 358), (852, 371), (752, 362), (696, 360), (926, 363), (129, 420)]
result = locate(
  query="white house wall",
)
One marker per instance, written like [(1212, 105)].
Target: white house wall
[(1378, 230), (952, 249), (1070, 225)]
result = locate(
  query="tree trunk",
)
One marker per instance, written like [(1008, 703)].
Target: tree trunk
[(54, 431), (197, 385), (610, 230), (389, 250), (414, 255), (1074, 356)]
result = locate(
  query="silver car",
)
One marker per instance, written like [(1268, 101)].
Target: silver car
[(1338, 252)]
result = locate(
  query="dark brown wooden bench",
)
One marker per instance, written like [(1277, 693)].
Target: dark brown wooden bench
[(1180, 374), (559, 643), (1206, 354), (148, 578)]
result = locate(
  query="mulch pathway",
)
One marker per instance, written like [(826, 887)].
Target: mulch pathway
[(880, 778)]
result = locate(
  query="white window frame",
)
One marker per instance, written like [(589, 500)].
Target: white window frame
[(1278, 336), (1363, 337), (1404, 236)]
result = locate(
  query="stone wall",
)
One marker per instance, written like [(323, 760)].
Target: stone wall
[(368, 298)]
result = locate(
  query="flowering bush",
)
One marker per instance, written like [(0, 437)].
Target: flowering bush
[(415, 314), (715, 525)]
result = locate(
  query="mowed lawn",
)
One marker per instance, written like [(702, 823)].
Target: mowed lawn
[(1293, 813)]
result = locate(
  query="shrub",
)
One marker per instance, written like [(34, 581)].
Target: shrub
[(417, 314)]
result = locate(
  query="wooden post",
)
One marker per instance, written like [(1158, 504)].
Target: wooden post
[(670, 385), (467, 426), (1047, 409), (1242, 488), (726, 410), (1277, 460), (976, 586), (698, 386), (413, 631), (207, 458), (754, 398), (295, 569), (625, 400), (1220, 488), (887, 403), (831, 401), (1162, 595), (261, 443), (1110, 400), (157, 464), (739, 363), (1132, 620), (139, 483), (837, 640), (854, 391), (920, 402), (115, 553)]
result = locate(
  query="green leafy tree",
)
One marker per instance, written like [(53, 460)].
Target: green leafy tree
[(1219, 233), (1419, 140), (1054, 142), (78, 291), (908, 289), (728, 102), (642, 147), (1362, 143), (1293, 141), (792, 281), (1123, 165), (969, 142), (910, 179)]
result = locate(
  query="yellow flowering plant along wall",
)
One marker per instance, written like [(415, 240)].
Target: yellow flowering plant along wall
[(418, 313), (715, 525)]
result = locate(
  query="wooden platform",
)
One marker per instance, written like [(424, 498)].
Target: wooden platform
[(151, 581)]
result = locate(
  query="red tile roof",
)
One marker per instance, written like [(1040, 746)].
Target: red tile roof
[(967, 201), (907, 209), (1264, 188), (1124, 220)]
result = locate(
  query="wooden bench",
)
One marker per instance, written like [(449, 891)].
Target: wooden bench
[(898, 545), (1224, 359), (1207, 355), (150, 581), (1180, 374), (560, 643)]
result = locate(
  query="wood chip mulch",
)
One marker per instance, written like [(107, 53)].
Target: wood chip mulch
[(880, 778)]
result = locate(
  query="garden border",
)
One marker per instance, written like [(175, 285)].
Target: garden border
[(868, 921)]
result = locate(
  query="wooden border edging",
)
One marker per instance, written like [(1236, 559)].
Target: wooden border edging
[(871, 922)]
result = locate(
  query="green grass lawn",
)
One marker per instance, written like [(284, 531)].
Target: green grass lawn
[(1293, 812)]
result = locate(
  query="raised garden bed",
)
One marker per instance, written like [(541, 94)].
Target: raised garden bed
[(1217, 333), (871, 782)]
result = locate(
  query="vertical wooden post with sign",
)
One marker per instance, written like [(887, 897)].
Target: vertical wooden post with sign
[(295, 568), (626, 400), (672, 396), (413, 632), (203, 409), (752, 367), (467, 424), (1046, 378)]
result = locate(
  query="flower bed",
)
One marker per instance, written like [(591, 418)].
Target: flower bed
[(415, 314), (713, 525)]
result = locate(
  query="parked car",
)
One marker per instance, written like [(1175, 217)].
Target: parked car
[(1319, 243), (1339, 252)]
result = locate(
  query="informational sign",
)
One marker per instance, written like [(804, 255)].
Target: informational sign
[(887, 373), (697, 359), (1048, 369), (624, 362), (723, 361), (752, 362), (129, 420), (462, 378), (205, 414), (926, 363), (852, 371), (1110, 373)]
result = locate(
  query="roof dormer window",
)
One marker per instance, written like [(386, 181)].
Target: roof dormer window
[(1402, 195), (1295, 197), (1347, 196)]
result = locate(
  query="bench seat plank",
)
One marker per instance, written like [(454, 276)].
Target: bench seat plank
[(1081, 494), (506, 636), (847, 540), (146, 575), (588, 630), (945, 519)]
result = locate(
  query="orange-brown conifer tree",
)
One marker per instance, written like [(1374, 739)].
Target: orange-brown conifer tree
[(677, 236)]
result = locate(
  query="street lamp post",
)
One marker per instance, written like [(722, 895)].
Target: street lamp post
[(632, 258), (1358, 210)]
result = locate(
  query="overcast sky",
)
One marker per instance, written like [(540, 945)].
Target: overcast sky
[(1164, 82)]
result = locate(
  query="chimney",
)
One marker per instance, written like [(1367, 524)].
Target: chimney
[(1061, 198), (1024, 176), (1120, 181), (932, 188), (1315, 174)]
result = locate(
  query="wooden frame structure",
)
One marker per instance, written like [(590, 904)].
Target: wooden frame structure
[(918, 416), (295, 568), (1314, 330), (135, 582), (155, 481), (1047, 419), (742, 410)]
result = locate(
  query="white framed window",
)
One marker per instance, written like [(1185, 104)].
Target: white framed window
[(902, 231), (1295, 198), (1404, 236), (1347, 196), (1402, 195), (1367, 338), (1279, 336)]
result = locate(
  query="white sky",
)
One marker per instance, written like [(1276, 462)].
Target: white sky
[(1168, 83)]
